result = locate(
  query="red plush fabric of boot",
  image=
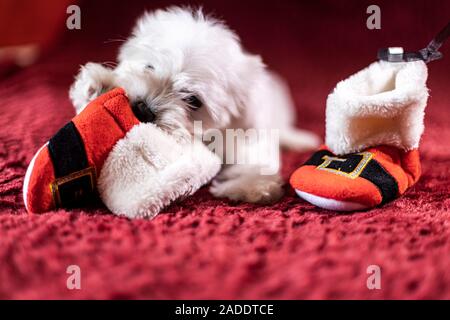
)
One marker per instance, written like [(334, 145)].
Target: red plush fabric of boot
[(356, 181)]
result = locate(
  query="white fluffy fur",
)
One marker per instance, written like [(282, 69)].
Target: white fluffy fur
[(148, 169), (177, 52), (383, 104)]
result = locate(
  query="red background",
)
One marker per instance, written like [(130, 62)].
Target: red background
[(209, 248)]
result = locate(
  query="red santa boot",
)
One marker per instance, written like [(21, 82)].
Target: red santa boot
[(374, 122)]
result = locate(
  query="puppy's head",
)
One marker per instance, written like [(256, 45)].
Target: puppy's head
[(178, 66)]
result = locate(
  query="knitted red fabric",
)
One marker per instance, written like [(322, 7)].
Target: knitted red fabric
[(209, 248)]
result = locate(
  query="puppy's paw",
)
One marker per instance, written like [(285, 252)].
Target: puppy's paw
[(300, 140), (92, 80), (252, 188)]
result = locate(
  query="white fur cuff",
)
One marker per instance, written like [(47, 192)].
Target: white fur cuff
[(148, 169), (382, 104)]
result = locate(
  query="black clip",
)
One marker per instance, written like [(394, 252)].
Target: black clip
[(427, 54), (74, 189)]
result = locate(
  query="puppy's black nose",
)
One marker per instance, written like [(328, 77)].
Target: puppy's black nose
[(143, 112)]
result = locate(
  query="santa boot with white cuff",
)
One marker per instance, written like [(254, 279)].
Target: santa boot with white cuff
[(374, 121)]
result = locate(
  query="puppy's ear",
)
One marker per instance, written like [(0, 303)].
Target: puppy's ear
[(92, 80)]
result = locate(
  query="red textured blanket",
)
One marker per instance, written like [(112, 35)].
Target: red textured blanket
[(208, 248)]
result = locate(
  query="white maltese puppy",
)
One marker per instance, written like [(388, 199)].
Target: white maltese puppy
[(180, 66)]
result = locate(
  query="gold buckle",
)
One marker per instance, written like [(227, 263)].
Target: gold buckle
[(356, 171), (75, 193)]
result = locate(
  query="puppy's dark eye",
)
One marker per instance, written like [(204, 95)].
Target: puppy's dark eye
[(149, 67), (193, 101)]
